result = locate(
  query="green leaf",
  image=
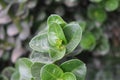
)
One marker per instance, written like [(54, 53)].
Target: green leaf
[(96, 13), (88, 41), (53, 72), (2, 77), (111, 5), (73, 33), (96, 1), (69, 76), (75, 66), (35, 70), (83, 25), (57, 54), (15, 76), (56, 35), (40, 43), (56, 19), (40, 57), (8, 71), (103, 46), (23, 65)]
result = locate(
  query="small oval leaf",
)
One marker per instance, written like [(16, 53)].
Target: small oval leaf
[(51, 72), (35, 70), (88, 41), (111, 5), (40, 57), (56, 35), (57, 54), (75, 66), (56, 19), (23, 65), (40, 43), (73, 33)]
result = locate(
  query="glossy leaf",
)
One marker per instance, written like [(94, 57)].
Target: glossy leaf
[(35, 70), (73, 33), (53, 72), (56, 35), (88, 41), (69, 76), (40, 43), (57, 54), (111, 5), (56, 19), (40, 57), (75, 66), (24, 67)]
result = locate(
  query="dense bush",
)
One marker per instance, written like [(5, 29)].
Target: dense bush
[(20, 20)]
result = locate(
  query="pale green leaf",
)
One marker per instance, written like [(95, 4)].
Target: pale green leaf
[(40, 57), (35, 70), (15, 76), (73, 33), (40, 43), (8, 71), (83, 25), (56, 35), (24, 67), (57, 54), (56, 19)]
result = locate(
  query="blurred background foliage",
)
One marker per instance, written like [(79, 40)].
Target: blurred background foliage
[(99, 48)]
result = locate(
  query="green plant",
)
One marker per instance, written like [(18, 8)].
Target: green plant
[(49, 48)]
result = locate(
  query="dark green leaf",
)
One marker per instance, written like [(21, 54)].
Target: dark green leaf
[(97, 1), (111, 5), (88, 41), (103, 47), (96, 13), (69, 76), (75, 66), (51, 72), (2, 77)]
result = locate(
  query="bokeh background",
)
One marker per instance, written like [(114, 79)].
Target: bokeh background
[(20, 20)]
